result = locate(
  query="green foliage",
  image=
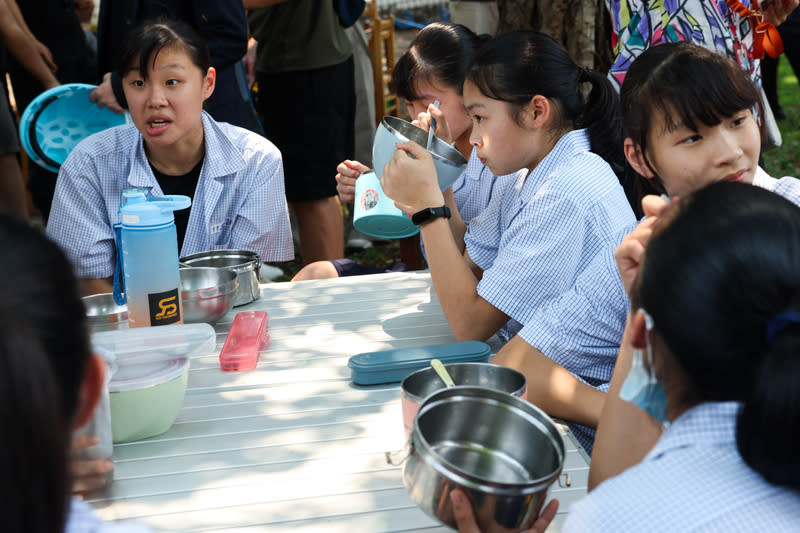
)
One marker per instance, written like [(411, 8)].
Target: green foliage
[(785, 161)]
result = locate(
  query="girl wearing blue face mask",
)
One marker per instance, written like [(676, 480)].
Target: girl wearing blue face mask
[(715, 315), (718, 299), (641, 387)]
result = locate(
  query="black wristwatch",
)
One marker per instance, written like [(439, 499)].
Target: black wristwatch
[(428, 214)]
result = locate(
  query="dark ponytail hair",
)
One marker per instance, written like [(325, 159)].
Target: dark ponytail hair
[(516, 66), (145, 41), (44, 352), (33, 450), (38, 287), (685, 84), (441, 52), (713, 280)]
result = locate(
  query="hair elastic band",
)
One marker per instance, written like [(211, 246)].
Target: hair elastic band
[(777, 323), (583, 75)]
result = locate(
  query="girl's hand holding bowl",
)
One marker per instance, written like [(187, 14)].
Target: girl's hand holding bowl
[(410, 179)]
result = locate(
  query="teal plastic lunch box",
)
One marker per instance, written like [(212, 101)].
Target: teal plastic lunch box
[(392, 366)]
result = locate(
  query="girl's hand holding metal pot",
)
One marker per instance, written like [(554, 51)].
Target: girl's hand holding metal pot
[(465, 518), (409, 178)]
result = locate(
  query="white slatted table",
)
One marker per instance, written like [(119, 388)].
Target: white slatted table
[(293, 445)]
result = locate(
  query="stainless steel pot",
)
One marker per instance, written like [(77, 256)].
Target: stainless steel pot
[(420, 384), (246, 264), (503, 452)]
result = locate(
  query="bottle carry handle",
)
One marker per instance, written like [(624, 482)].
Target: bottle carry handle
[(120, 297)]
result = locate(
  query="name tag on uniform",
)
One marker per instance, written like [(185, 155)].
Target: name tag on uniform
[(219, 227)]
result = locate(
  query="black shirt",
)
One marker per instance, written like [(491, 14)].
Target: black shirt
[(185, 185)]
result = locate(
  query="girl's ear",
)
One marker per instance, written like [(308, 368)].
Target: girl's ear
[(91, 390), (209, 82), (538, 111), (638, 338), (635, 157)]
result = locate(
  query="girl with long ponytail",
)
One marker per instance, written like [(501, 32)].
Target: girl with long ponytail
[(524, 95)]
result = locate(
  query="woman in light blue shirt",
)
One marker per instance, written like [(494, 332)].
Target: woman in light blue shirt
[(234, 176)]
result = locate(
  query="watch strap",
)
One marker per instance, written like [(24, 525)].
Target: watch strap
[(429, 214)]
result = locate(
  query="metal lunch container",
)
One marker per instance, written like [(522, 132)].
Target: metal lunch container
[(244, 263), (501, 451), (420, 384)]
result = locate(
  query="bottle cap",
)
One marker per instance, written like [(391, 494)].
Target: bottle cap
[(153, 212), (133, 195)]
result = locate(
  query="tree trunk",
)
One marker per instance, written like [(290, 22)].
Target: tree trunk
[(582, 26)]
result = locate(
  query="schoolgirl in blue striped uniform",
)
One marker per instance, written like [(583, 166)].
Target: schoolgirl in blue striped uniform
[(524, 95)]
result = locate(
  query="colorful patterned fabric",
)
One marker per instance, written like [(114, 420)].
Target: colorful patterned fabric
[(711, 24)]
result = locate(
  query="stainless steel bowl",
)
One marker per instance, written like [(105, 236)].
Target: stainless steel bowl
[(244, 263), (102, 313), (207, 293), (420, 384), (503, 452), (448, 161), (439, 149)]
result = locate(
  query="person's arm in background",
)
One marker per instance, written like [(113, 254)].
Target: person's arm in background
[(777, 11), (30, 53), (47, 56), (250, 62)]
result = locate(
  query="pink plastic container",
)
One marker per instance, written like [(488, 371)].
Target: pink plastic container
[(249, 334)]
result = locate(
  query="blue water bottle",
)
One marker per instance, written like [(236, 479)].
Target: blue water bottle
[(148, 245)]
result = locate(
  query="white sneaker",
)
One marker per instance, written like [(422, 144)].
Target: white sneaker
[(357, 242)]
